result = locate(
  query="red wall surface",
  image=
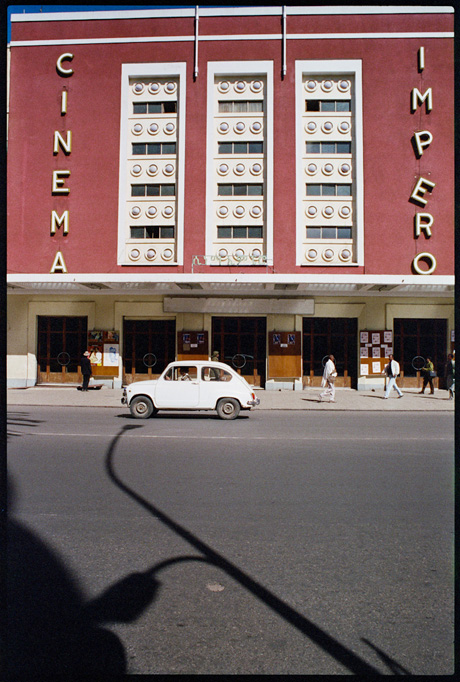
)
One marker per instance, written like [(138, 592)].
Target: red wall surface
[(389, 71)]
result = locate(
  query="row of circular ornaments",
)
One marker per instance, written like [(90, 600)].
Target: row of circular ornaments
[(328, 254), (239, 211), (240, 86), (170, 87), (167, 254), (312, 255), (223, 211), (240, 169), (150, 254)]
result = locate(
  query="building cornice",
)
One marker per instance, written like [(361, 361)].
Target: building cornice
[(230, 11)]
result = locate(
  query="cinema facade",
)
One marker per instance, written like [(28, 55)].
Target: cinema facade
[(276, 184)]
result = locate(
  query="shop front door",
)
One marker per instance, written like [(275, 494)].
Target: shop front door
[(420, 338), (323, 336), (148, 347), (242, 344), (61, 344)]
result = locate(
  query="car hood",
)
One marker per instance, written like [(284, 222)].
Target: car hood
[(142, 384)]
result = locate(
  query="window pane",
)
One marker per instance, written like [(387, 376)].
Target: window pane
[(256, 106), (138, 148), (255, 232), (344, 232), (328, 147), (256, 147), (224, 190), (343, 147), (328, 191), (327, 106), (240, 147), (153, 190), (154, 107), (225, 107), (152, 232), (225, 147), (137, 233), (255, 190), (170, 107), (138, 190), (313, 190), (240, 190), (343, 190), (240, 107), (154, 148), (224, 232), (313, 232), (168, 190), (239, 232), (313, 148), (167, 232), (328, 233), (168, 148), (312, 105), (140, 108), (343, 105)]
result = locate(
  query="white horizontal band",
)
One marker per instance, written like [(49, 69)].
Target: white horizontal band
[(228, 11), (225, 38)]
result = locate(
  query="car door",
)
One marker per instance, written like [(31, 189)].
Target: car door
[(178, 388)]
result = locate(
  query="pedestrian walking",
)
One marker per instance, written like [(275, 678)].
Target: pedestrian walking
[(86, 370), (428, 375), (328, 380), (449, 373), (392, 370)]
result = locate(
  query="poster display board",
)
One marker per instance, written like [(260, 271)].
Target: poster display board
[(284, 354), (104, 348), (192, 345), (374, 349)]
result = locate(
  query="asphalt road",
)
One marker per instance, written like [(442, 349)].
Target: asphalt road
[(279, 543)]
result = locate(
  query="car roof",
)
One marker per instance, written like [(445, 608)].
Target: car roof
[(199, 363)]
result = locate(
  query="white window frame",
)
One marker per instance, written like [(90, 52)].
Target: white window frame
[(236, 68), (155, 69), (331, 67)]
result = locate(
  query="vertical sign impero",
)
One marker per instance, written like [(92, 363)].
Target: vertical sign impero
[(422, 139), (63, 143)]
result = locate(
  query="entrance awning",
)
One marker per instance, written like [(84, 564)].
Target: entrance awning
[(263, 285)]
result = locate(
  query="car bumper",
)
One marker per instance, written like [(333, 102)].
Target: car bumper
[(254, 403)]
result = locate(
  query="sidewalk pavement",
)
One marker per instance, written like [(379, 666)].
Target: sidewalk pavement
[(308, 399)]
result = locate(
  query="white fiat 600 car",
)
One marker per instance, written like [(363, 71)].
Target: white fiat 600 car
[(191, 385)]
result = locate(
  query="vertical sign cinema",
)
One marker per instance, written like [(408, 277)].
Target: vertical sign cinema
[(422, 140), (63, 144)]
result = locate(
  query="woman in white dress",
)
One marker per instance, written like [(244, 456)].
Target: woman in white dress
[(329, 377)]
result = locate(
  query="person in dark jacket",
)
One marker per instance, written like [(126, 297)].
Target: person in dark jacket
[(428, 374), (449, 373), (86, 370)]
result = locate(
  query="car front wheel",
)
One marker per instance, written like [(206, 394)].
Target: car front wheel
[(228, 408), (141, 407)]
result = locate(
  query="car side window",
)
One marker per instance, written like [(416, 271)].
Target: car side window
[(215, 374), (185, 374)]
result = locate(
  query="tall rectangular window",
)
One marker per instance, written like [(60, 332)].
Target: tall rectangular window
[(151, 196), (329, 163), (239, 220)]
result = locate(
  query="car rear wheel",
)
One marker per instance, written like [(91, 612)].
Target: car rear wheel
[(141, 407), (228, 408)]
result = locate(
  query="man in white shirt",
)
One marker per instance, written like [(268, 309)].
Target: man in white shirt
[(328, 381), (392, 370)]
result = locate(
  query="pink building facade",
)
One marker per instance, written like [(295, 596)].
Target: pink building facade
[(272, 183)]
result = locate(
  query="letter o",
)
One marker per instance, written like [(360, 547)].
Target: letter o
[(429, 257), (67, 56)]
